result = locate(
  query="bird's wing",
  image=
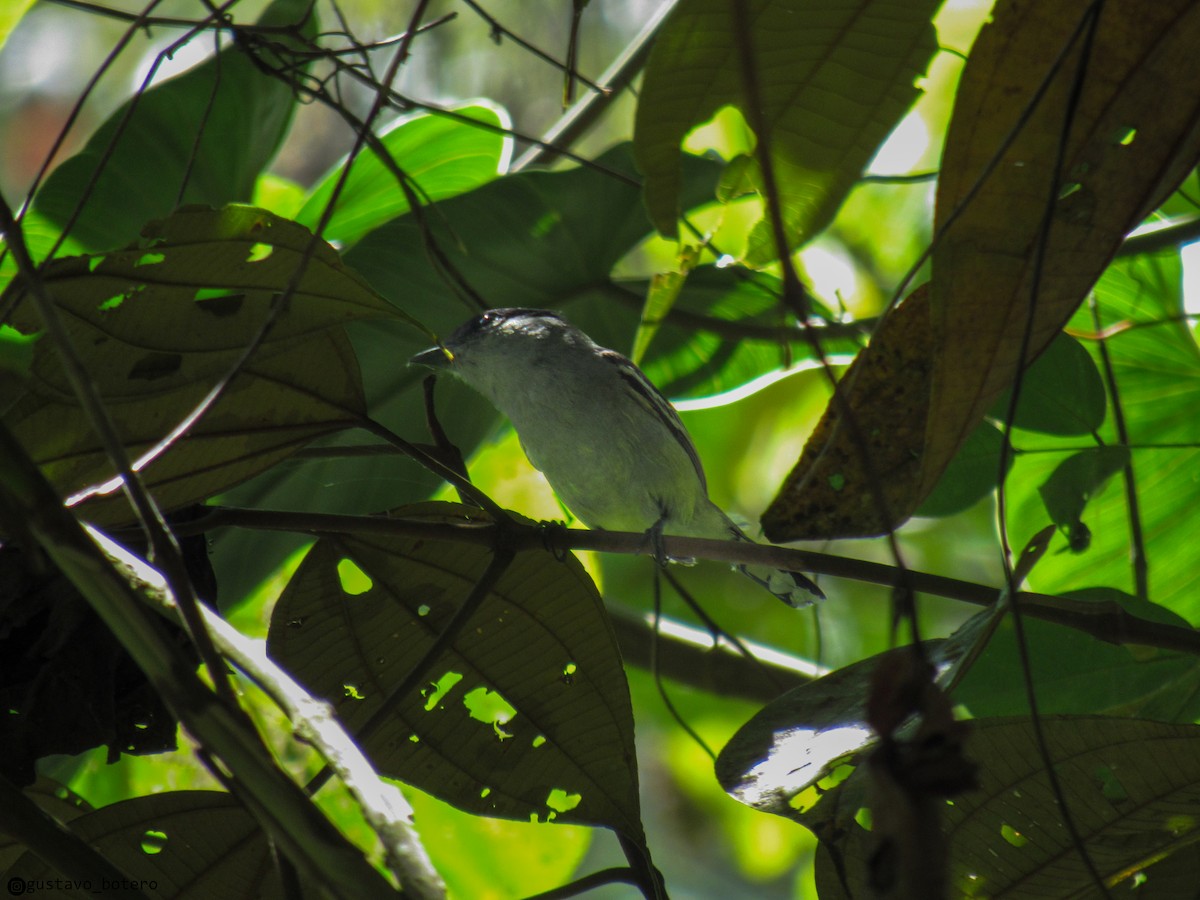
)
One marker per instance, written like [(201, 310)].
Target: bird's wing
[(657, 405)]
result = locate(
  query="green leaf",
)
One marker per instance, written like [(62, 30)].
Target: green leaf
[(157, 325), (11, 14), (661, 295), (1077, 479), (443, 157), (16, 351), (494, 858), (1156, 364), (1124, 780), (1077, 674), (1130, 784), (776, 760), (202, 137), (971, 475), (530, 239), (526, 715), (40, 237), (834, 78), (1061, 393)]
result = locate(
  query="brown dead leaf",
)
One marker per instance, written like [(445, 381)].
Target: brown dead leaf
[(887, 386), (1134, 134), (938, 363)]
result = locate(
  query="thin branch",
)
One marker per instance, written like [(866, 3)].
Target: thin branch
[(583, 115), (383, 806), (615, 875), (499, 32), (287, 815), (1105, 621), (1137, 539)]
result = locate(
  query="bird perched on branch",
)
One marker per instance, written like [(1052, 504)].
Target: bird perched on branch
[(612, 447)]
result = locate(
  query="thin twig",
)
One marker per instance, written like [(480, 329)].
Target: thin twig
[(1085, 32), (499, 31), (583, 115), (1137, 539)]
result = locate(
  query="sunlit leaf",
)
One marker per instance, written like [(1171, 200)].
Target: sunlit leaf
[(1156, 364), (1061, 393), (1077, 674), (442, 155), (833, 79), (795, 741)]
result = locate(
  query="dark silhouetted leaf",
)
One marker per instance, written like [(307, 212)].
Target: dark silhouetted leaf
[(528, 715), (153, 351)]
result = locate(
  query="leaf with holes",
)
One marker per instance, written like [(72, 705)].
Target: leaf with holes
[(1131, 139), (526, 715), (776, 761), (202, 137), (158, 324), (177, 840), (834, 78), (1126, 781)]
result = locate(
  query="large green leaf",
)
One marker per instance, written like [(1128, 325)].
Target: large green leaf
[(10, 15), (1156, 363), (1131, 785), (1061, 393), (1076, 674), (202, 137), (157, 325), (834, 78), (444, 156), (528, 712)]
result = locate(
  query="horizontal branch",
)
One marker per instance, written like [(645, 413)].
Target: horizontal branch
[(1105, 621)]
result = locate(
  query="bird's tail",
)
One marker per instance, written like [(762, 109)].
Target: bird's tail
[(792, 588)]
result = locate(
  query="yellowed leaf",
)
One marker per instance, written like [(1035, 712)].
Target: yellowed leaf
[(829, 492), (1133, 136)]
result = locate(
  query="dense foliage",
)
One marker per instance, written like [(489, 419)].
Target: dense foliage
[(224, 497)]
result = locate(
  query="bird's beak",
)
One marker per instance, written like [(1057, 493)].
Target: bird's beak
[(433, 358)]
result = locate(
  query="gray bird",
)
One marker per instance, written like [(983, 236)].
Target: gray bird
[(612, 447)]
